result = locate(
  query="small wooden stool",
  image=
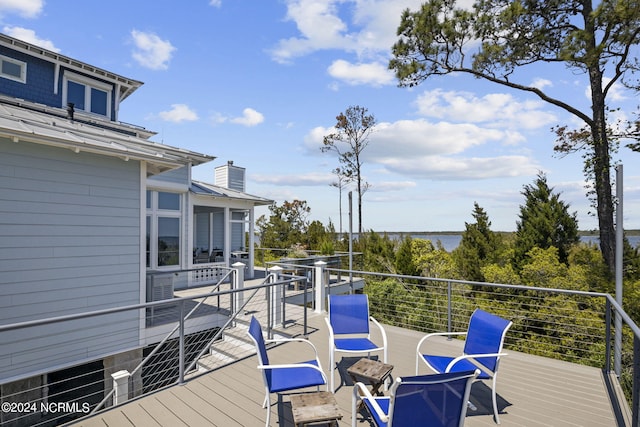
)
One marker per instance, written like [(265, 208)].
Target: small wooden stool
[(371, 372), (314, 408)]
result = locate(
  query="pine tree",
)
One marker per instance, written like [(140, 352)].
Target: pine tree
[(544, 222), (479, 246)]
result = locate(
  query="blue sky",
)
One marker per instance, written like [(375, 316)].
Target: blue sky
[(260, 83)]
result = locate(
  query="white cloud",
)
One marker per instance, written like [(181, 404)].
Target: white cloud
[(540, 83), (151, 51), (24, 8), (29, 36), (494, 109), (366, 27), (421, 149), (374, 73), (460, 168), (250, 117), (302, 180), (215, 3), (179, 113)]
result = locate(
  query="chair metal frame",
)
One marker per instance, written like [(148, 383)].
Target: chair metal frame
[(383, 409), (482, 350), (348, 321), (284, 377)]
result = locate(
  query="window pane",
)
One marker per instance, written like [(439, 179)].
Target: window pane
[(168, 241), (98, 101), (148, 199), (75, 94), (169, 201), (12, 69)]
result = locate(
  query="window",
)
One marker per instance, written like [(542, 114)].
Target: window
[(13, 69), (87, 95), (163, 229)]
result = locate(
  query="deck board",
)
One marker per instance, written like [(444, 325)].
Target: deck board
[(533, 391)]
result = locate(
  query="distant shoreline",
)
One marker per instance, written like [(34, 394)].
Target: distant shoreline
[(589, 233)]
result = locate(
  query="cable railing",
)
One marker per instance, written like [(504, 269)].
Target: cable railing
[(208, 331), (562, 324), (198, 332)]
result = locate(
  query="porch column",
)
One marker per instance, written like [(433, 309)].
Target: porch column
[(227, 236), (251, 249), (275, 296), (120, 387), (320, 282)]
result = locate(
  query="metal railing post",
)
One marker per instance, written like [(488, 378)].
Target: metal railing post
[(635, 392), (449, 317), (607, 336), (181, 355)]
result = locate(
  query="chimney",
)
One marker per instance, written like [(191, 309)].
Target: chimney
[(230, 176)]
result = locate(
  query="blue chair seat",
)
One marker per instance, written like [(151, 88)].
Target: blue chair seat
[(354, 344), (440, 363), (293, 378)]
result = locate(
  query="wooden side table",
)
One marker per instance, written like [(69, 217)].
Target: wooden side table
[(314, 408), (372, 372)]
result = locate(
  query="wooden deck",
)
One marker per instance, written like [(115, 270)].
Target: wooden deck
[(533, 391)]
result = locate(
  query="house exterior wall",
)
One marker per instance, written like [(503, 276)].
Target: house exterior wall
[(69, 243)]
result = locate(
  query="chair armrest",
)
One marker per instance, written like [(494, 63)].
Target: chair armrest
[(437, 334), (295, 365), (360, 390), (472, 358), (286, 340), (326, 320), (382, 331)]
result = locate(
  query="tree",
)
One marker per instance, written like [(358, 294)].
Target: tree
[(404, 260), (342, 181), (286, 225), (545, 222), (351, 137), (479, 246), (440, 39)]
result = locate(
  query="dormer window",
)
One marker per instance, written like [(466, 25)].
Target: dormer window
[(13, 69), (87, 95)]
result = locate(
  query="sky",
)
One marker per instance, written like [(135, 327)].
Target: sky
[(260, 83)]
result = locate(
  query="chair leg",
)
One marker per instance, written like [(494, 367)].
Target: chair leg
[(267, 404), (495, 401), (332, 369)]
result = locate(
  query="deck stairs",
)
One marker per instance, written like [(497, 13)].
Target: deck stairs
[(234, 345)]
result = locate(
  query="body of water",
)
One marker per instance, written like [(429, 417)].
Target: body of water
[(451, 241)]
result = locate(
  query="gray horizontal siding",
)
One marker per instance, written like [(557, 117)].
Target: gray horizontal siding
[(69, 243)]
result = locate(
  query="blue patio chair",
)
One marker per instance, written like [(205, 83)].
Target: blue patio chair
[(428, 400), (284, 377), (348, 323), (482, 349)]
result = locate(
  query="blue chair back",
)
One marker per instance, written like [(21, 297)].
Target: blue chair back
[(256, 333), (486, 334), (349, 314), (434, 400)]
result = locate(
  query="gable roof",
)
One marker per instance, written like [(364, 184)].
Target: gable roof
[(125, 85), (22, 124), (206, 189)]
